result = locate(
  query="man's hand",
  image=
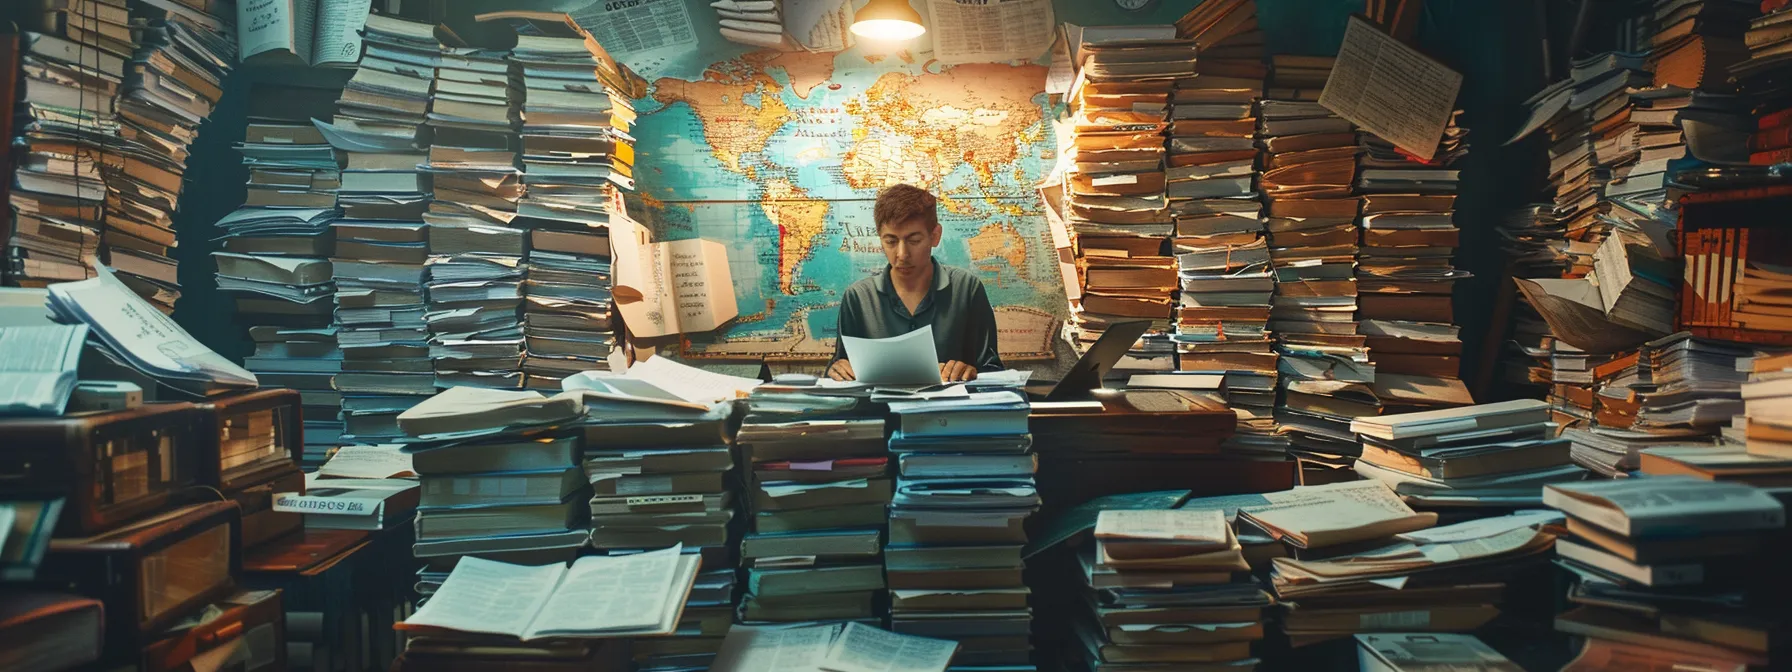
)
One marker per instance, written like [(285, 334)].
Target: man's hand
[(841, 370), (956, 371)]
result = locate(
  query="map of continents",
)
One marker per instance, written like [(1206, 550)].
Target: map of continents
[(779, 157)]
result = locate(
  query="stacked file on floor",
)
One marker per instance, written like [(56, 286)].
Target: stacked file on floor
[(964, 490), (1168, 588), (819, 489), (1674, 565), (381, 240), (1491, 455)]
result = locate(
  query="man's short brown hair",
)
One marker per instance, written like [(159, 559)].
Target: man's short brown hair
[(899, 203)]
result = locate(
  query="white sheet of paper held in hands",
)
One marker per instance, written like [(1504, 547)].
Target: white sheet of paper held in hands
[(909, 359)]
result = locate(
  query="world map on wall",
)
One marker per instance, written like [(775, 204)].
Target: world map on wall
[(779, 157)]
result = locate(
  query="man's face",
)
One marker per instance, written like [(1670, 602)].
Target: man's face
[(908, 245)]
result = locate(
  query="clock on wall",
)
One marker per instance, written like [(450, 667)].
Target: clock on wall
[(1135, 5)]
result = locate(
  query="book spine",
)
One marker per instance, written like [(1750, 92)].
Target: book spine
[(1773, 138), (1774, 120), (1771, 156)]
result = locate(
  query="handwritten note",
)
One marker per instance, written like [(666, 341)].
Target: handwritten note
[(1391, 90)]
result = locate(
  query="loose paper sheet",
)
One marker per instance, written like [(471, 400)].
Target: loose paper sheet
[(862, 648), (991, 30), (265, 25), (488, 596), (615, 593), (37, 367), (381, 461), (909, 359), (769, 649), (691, 383), (339, 23), (1391, 89), (143, 335), (1170, 524)]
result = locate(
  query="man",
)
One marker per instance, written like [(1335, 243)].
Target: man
[(916, 291)]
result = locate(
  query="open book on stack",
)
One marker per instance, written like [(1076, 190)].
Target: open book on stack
[(594, 597)]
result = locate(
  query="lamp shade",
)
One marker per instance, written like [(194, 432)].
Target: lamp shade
[(888, 20)]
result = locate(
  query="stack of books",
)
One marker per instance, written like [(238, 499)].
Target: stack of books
[(276, 263), (175, 78), (381, 241), (1766, 422), (68, 125), (1761, 78), (513, 493), (1309, 162), (1348, 546), (1689, 387), (1674, 566), (1405, 272), (1115, 185), (1168, 588), (957, 524), (1495, 456), (578, 160), (475, 259), (662, 474), (819, 488)]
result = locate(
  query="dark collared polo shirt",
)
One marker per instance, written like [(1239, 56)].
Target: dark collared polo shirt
[(964, 324)]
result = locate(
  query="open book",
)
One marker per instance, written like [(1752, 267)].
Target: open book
[(676, 287), (311, 32), (595, 597), (37, 367)]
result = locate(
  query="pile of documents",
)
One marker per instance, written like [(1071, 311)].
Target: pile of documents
[(578, 160), (1421, 579), (1486, 456), (276, 263), (964, 489), (1405, 272), (499, 480), (382, 242), (1677, 391), (475, 259), (69, 83), (662, 474), (1674, 566), (1766, 423), (819, 488), (1168, 587), (1114, 187), (836, 647), (1309, 162)]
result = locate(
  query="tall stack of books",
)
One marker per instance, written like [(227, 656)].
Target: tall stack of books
[(1490, 456), (475, 264), (1309, 163), (514, 494), (957, 524), (382, 242), (1222, 256), (1115, 186), (1405, 272), (578, 160), (175, 78), (1761, 78), (1349, 539), (1168, 588), (662, 474), (276, 261), (1675, 567), (818, 489), (68, 125)]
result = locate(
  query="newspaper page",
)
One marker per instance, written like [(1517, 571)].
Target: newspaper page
[(644, 34), (37, 367), (862, 648), (985, 31), (1391, 90), (769, 649)]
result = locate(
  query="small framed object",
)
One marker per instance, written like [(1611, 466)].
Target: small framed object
[(250, 437), (153, 572), (111, 467)]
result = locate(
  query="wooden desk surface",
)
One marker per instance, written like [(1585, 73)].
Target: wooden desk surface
[(307, 553)]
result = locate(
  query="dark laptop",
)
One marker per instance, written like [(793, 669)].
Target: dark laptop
[(1086, 374)]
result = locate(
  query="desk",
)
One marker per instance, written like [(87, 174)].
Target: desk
[(1084, 454), (342, 591)]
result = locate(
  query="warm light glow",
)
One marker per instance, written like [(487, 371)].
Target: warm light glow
[(892, 20), (887, 29)]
